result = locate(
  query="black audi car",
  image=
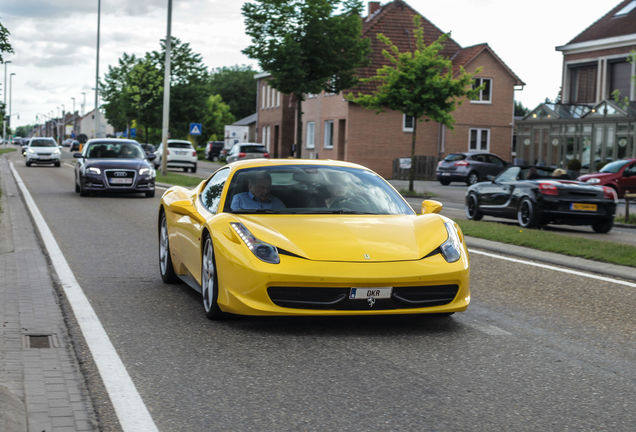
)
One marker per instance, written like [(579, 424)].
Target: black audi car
[(534, 197), (114, 165)]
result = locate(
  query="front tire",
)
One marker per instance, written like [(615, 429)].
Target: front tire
[(165, 261), (472, 208), (526, 214), (150, 194), (209, 281), (604, 226), (444, 182)]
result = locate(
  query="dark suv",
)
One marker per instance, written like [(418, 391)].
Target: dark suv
[(468, 167), (213, 150)]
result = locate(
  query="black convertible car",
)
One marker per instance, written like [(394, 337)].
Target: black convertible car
[(114, 165), (534, 197)]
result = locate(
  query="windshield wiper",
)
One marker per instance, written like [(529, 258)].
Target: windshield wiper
[(268, 211)]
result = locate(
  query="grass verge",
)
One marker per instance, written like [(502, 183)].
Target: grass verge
[(610, 252), (178, 179), (7, 150), (630, 221)]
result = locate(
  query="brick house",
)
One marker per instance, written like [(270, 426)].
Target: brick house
[(588, 124), (334, 128)]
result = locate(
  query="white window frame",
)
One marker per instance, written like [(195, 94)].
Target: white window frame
[(266, 137), (406, 128), (328, 137), (263, 96), (277, 98), (478, 135), (480, 99), (311, 135)]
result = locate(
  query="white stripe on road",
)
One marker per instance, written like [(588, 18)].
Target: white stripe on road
[(131, 411), (555, 268)]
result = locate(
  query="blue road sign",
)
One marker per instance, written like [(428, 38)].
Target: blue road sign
[(195, 128)]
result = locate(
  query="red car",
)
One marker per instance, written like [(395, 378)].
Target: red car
[(619, 175)]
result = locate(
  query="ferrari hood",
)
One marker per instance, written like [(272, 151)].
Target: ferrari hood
[(355, 238)]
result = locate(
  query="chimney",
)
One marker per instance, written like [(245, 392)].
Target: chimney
[(374, 6)]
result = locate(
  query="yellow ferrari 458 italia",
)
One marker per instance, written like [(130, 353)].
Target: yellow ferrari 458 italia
[(310, 237)]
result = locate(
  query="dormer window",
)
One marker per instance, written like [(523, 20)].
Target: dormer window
[(627, 9)]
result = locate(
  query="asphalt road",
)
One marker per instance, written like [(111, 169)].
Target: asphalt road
[(536, 350)]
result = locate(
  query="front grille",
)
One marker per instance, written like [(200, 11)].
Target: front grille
[(120, 177), (338, 298)]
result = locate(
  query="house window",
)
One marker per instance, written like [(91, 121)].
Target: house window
[(407, 123), (328, 141), (620, 75), (311, 131), (583, 84), (485, 93), (479, 139), (263, 95), (277, 98), (266, 137)]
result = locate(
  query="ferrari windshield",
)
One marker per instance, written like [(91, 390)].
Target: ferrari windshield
[(115, 150), (312, 189)]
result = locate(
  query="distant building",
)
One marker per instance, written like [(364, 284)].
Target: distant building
[(250, 122), (87, 125), (588, 123), (336, 128)]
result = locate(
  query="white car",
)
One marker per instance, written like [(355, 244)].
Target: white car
[(42, 151), (180, 154)]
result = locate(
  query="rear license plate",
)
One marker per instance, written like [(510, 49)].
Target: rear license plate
[(583, 207), (121, 181), (367, 293)]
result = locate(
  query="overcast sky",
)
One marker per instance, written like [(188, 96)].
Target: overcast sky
[(55, 41)]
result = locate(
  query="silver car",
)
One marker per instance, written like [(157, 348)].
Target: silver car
[(468, 167), (42, 151), (240, 151)]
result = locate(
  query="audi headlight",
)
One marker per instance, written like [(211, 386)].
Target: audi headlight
[(93, 170), (451, 248), (263, 251), (593, 181), (147, 171)]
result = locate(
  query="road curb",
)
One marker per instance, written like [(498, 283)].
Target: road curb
[(598, 267)]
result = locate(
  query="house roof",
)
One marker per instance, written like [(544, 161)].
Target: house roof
[(246, 121), (619, 21), (395, 20)]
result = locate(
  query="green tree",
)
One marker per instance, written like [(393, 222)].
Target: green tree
[(5, 46), (306, 46), (145, 88), (114, 90), (419, 84), (237, 88), (520, 110), (188, 85), (217, 115)]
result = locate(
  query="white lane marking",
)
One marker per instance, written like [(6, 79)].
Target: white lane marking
[(490, 329), (131, 411), (555, 268)]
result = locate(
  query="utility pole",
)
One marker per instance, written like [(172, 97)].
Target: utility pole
[(4, 118), (166, 94), (10, 104), (83, 103), (73, 132), (99, 9)]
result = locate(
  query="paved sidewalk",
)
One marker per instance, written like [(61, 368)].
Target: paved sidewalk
[(41, 386)]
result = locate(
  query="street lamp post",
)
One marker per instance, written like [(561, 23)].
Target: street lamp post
[(10, 104), (83, 102), (99, 8), (4, 120), (73, 115), (166, 93)]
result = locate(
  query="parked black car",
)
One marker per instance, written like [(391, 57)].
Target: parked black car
[(114, 165), (468, 167), (532, 196), (213, 150)]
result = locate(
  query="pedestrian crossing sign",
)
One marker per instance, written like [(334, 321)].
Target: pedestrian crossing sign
[(195, 128)]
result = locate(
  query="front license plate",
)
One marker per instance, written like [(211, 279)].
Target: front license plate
[(121, 181), (445, 174), (367, 293), (583, 207)]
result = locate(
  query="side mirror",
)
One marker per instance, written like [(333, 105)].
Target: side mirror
[(186, 207), (491, 178), (78, 155), (151, 156), (431, 206)]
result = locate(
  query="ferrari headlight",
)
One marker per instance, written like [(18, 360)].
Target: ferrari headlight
[(147, 171), (263, 251), (93, 170), (451, 248), (593, 181)]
